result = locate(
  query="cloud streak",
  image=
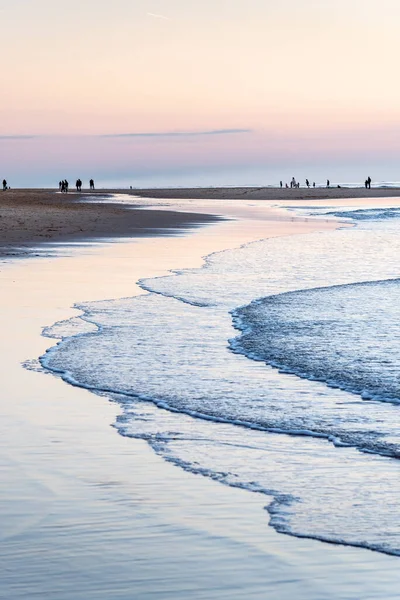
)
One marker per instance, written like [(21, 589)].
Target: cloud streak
[(19, 137), (139, 134), (156, 16), (161, 134)]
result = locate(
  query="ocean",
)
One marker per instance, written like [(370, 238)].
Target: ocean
[(272, 368)]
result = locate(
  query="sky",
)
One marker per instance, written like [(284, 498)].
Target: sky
[(176, 92)]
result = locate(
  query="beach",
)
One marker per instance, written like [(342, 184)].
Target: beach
[(88, 513), (33, 217)]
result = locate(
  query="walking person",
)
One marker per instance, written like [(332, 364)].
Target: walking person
[(369, 181), (91, 182), (4, 185), (307, 183)]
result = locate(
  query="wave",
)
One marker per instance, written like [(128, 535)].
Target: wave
[(367, 214), (310, 490), (346, 336)]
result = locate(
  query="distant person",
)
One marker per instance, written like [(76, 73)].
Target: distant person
[(281, 184), (307, 183), (366, 184), (59, 186), (369, 181), (328, 183), (4, 185), (78, 185), (293, 183), (313, 184), (66, 186), (91, 182), (286, 186)]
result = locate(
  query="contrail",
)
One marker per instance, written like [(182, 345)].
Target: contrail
[(155, 16)]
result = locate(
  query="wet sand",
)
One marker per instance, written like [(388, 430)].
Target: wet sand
[(33, 217)]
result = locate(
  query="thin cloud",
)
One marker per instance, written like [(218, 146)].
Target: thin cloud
[(139, 134), (152, 134), (156, 16), (19, 137)]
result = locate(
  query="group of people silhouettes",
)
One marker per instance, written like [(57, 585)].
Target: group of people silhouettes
[(296, 184), (63, 185)]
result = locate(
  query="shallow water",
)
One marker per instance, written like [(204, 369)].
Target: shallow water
[(296, 301)]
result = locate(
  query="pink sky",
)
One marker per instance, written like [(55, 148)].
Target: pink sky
[(308, 78)]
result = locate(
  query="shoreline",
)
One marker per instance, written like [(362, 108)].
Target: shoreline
[(105, 516), (33, 218)]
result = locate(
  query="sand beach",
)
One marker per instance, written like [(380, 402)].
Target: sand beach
[(34, 217), (268, 193)]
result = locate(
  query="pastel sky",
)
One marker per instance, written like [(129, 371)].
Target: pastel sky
[(247, 84)]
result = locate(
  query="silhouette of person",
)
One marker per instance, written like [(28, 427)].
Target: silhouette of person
[(369, 180), (313, 184), (60, 185), (66, 184), (366, 184), (307, 183), (4, 184), (328, 183), (281, 184), (91, 184)]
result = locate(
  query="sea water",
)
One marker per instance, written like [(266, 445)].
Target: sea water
[(273, 368)]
